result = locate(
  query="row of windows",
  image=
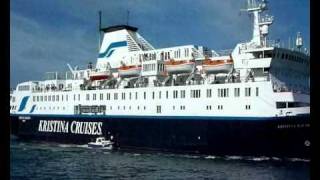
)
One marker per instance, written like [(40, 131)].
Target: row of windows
[(163, 55), (24, 88), (291, 57), (222, 92)]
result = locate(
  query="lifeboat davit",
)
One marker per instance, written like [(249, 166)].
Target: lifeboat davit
[(217, 66), (99, 75), (179, 67), (129, 71)]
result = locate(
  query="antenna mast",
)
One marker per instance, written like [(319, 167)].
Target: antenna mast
[(99, 30), (261, 23)]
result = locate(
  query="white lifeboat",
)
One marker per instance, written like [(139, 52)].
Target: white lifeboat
[(129, 71), (99, 75), (210, 66), (101, 142), (179, 67)]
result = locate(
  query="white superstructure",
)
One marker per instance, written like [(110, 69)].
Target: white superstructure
[(256, 79)]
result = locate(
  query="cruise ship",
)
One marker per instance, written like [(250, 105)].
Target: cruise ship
[(251, 100)]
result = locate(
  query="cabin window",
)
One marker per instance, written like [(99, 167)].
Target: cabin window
[(160, 94), (223, 92), (136, 95), (74, 97), (108, 96), (144, 95), (209, 93), (182, 93), (158, 109), (53, 97), (57, 97), (123, 96), (182, 107), (78, 97), (247, 92), (61, 97), (195, 93), (115, 96), (167, 94), (153, 95), (130, 95), (67, 97), (209, 107), (101, 96), (175, 94), (34, 99), (37, 98), (248, 107), (236, 92), (41, 98), (220, 107), (257, 91), (87, 97), (49, 98), (45, 98), (94, 96)]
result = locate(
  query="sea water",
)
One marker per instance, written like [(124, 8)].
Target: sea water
[(31, 160)]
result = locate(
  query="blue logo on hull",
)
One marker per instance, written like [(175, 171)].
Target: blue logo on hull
[(23, 103)]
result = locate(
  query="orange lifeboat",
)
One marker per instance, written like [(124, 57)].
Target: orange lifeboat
[(210, 66), (129, 71), (178, 67), (99, 75)]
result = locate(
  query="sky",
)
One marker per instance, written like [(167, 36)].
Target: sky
[(45, 35)]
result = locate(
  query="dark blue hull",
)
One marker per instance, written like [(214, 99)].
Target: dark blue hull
[(281, 137)]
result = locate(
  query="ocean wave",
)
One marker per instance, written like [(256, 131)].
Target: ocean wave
[(210, 157)]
